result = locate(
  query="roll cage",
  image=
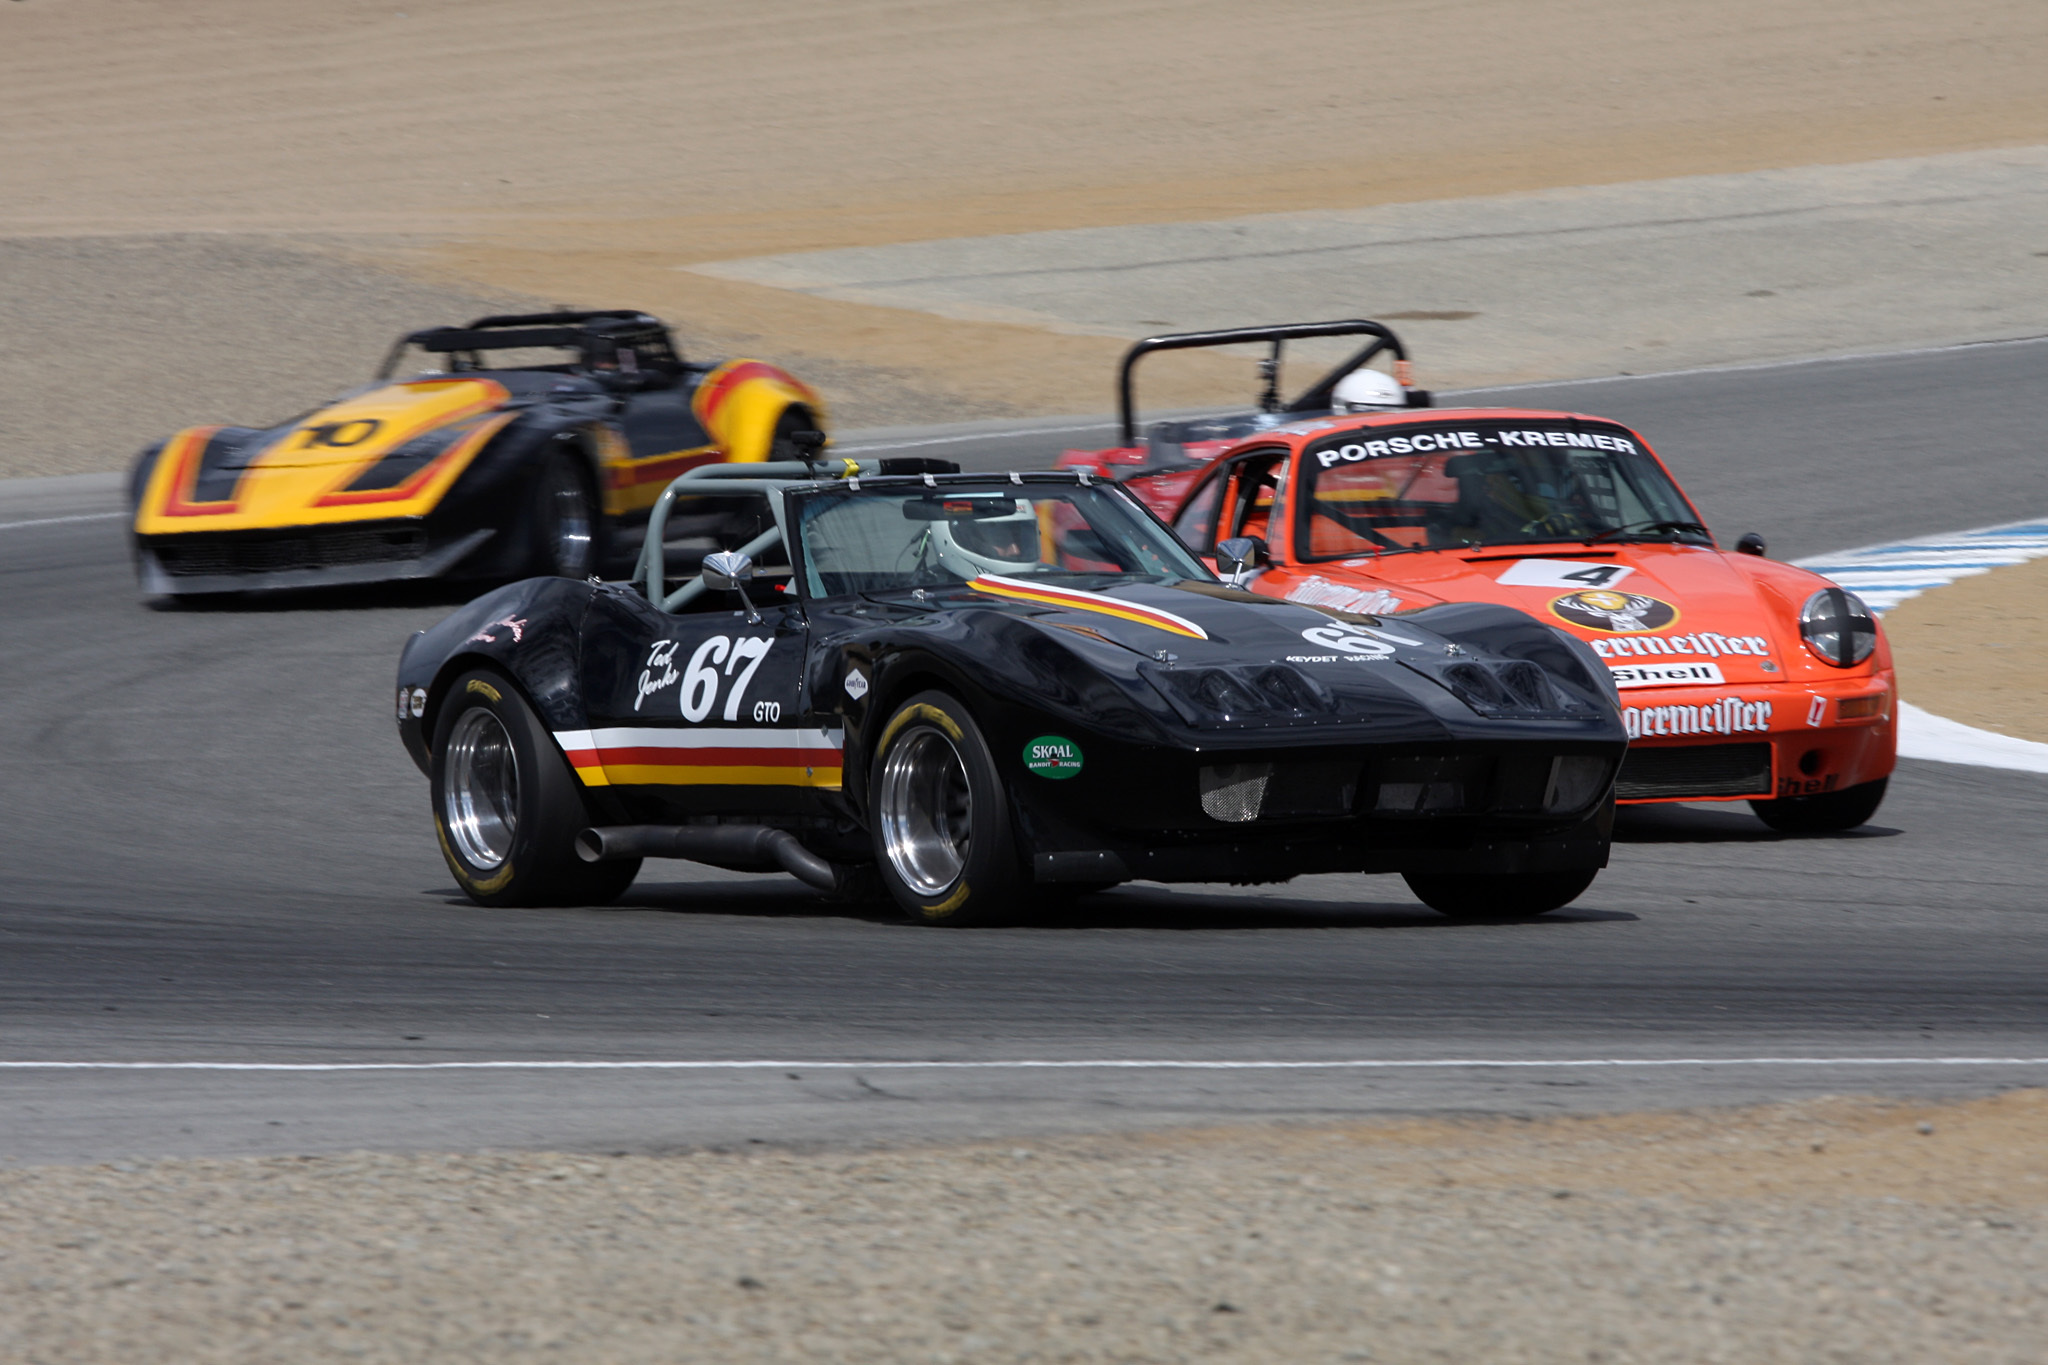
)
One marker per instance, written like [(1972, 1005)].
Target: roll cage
[(772, 477), (1315, 398), (619, 339)]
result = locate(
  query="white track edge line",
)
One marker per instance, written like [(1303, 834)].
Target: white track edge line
[(59, 521), (1794, 363), (1032, 1064)]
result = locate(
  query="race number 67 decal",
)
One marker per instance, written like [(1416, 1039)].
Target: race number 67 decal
[(701, 677)]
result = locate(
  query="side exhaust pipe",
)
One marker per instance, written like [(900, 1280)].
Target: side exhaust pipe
[(743, 848)]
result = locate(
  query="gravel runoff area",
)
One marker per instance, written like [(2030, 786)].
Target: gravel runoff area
[(1837, 1230)]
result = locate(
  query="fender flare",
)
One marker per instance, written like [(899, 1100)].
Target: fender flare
[(741, 403)]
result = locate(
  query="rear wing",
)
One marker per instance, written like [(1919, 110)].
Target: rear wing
[(588, 333), (1315, 398)]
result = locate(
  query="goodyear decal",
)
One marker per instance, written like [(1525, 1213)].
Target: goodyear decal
[(997, 586), (697, 756)]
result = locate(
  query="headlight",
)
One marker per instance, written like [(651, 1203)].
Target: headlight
[(1838, 628)]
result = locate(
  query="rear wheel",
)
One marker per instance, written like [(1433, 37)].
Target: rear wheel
[(940, 818), (567, 528), (506, 805), (1829, 813), (1498, 897)]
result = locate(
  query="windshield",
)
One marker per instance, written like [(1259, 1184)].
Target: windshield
[(879, 539), (1485, 483)]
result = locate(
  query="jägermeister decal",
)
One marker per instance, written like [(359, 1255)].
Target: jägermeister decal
[(1053, 756)]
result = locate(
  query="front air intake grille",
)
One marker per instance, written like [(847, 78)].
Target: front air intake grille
[(1695, 770), (192, 556)]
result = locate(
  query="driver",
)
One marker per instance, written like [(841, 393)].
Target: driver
[(979, 545), (1367, 391)]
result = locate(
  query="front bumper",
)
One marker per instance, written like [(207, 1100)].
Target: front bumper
[(298, 557), (1741, 742)]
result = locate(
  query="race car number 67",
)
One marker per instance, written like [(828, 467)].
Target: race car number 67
[(701, 675)]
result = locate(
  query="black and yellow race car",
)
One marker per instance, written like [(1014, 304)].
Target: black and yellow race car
[(536, 447)]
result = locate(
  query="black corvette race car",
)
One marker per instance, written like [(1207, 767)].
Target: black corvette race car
[(537, 441), (974, 688)]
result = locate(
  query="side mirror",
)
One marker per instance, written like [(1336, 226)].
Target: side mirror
[(731, 571), (1239, 555), (1750, 544)]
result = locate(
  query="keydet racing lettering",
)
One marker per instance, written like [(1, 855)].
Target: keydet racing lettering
[(1727, 716), (1703, 643)]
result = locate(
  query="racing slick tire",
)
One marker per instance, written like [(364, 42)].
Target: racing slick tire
[(1481, 898), (941, 819), (1828, 813), (506, 806), (568, 524)]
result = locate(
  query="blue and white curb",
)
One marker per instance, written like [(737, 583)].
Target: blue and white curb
[(1886, 575)]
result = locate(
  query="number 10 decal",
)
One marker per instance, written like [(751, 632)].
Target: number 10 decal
[(701, 676)]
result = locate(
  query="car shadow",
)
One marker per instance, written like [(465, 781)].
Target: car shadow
[(1718, 824), (348, 597), (1137, 906)]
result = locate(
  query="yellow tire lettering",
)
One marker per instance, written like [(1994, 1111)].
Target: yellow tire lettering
[(479, 685), (950, 903), (921, 711), (483, 885)]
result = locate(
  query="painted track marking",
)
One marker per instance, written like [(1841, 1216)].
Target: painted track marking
[(1037, 1064), (60, 521)]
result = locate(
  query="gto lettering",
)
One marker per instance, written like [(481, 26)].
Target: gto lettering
[(767, 712), (1727, 716)]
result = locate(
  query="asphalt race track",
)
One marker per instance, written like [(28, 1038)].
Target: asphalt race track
[(215, 852)]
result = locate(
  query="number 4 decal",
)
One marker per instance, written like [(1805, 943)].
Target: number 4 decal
[(1562, 573)]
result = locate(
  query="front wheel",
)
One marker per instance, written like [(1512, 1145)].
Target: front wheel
[(1829, 813), (1482, 898), (940, 817), (506, 806)]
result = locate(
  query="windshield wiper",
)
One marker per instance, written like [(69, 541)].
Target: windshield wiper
[(1612, 532)]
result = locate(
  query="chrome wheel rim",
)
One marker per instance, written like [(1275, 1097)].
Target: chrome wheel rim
[(926, 811), (569, 520), (481, 797)]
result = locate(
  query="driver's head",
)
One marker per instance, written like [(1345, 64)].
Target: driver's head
[(1367, 391), (1000, 545)]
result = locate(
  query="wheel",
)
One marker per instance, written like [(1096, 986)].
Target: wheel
[(566, 525), (1825, 814), (1482, 898), (506, 806), (792, 420), (940, 819)]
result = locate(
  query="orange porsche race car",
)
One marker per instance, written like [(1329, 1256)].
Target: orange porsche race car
[(1739, 677), (535, 444)]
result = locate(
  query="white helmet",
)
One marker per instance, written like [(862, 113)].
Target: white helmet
[(998, 545), (1367, 391)]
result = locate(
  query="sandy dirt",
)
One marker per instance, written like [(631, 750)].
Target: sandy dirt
[(581, 153), (1833, 1230), (1973, 651)]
